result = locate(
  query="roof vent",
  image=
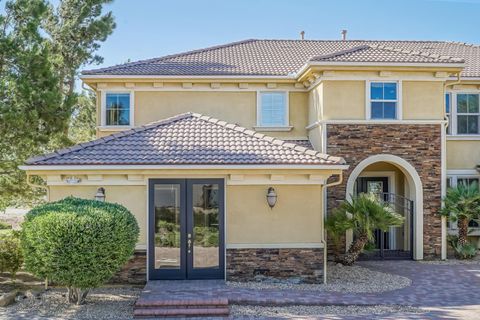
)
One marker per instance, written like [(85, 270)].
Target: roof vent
[(344, 34), (302, 35)]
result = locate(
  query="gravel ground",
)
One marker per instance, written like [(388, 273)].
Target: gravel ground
[(354, 279), (301, 312), (102, 303)]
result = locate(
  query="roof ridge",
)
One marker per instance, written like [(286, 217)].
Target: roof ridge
[(417, 53), (340, 52), (135, 63), (269, 139)]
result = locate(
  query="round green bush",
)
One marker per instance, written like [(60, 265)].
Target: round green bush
[(78, 243)]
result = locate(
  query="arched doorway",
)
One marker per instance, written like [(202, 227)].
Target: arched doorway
[(412, 189)]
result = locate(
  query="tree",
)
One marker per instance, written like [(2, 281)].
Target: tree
[(462, 204), (78, 243), (83, 120), (363, 214), (42, 48)]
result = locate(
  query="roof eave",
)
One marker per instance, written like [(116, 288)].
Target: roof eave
[(182, 167), (173, 77)]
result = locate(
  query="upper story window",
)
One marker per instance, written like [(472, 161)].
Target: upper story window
[(463, 112), (117, 110), (272, 109), (467, 114), (383, 100)]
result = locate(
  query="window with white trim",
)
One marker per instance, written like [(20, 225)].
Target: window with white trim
[(468, 113), (117, 109), (383, 100), (272, 109)]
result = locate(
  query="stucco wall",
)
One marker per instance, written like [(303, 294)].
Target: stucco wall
[(295, 218), (343, 100), (422, 100), (231, 106), (463, 154), (133, 198)]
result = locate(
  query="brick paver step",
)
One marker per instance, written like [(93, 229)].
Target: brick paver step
[(159, 301), (181, 312)]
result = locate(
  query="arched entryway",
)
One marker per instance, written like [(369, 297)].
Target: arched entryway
[(385, 165)]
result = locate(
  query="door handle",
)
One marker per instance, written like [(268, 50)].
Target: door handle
[(189, 243)]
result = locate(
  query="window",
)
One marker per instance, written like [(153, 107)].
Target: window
[(468, 114), (272, 109), (117, 109), (383, 100), (448, 99), (467, 181)]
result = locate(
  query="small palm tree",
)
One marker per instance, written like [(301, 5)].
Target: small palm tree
[(462, 204), (363, 214)]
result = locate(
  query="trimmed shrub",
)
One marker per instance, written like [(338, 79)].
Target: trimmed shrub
[(78, 243), (11, 257)]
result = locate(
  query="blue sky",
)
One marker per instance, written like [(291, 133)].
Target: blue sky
[(152, 28)]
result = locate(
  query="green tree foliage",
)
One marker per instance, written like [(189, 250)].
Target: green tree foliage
[(363, 214), (83, 120), (462, 204), (78, 243), (42, 48), (11, 257)]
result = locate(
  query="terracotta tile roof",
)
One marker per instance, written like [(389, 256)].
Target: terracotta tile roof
[(286, 57), (187, 139)]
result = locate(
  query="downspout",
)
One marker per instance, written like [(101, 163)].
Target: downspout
[(444, 165), (324, 240)]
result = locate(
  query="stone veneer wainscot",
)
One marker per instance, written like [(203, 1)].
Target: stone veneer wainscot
[(305, 263)]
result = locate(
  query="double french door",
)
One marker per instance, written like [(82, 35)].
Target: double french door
[(186, 234)]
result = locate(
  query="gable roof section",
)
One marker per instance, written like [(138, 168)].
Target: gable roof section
[(284, 58), (378, 53), (187, 139)]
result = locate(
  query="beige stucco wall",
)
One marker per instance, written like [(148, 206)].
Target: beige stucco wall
[(463, 154), (296, 218), (231, 106), (134, 198), (343, 100), (422, 100)]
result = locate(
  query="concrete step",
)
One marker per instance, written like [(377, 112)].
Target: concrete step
[(181, 312)]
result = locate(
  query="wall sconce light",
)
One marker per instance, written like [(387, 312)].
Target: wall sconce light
[(72, 180), (271, 197), (100, 195)]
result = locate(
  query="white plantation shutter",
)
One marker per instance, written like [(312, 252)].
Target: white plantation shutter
[(273, 109)]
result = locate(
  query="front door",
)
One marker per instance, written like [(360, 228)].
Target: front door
[(186, 238)]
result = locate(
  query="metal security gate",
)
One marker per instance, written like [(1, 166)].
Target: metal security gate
[(397, 242)]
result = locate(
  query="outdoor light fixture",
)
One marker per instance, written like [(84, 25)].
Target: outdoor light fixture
[(73, 180), (100, 195), (478, 167), (271, 197)]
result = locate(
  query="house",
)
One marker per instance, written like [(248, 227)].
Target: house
[(230, 157)]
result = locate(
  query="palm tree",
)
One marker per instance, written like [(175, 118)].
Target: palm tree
[(462, 204), (363, 214)]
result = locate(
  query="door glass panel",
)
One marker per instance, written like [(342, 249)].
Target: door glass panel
[(375, 187), (205, 225), (167, 226)]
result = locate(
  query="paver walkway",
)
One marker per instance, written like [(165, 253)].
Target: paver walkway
[(433, 286)]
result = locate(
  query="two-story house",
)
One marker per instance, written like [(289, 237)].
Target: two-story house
[(230, 157)]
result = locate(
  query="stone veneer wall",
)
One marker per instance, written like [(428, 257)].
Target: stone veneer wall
[(420, 145), (245, 264), (134, 271)]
